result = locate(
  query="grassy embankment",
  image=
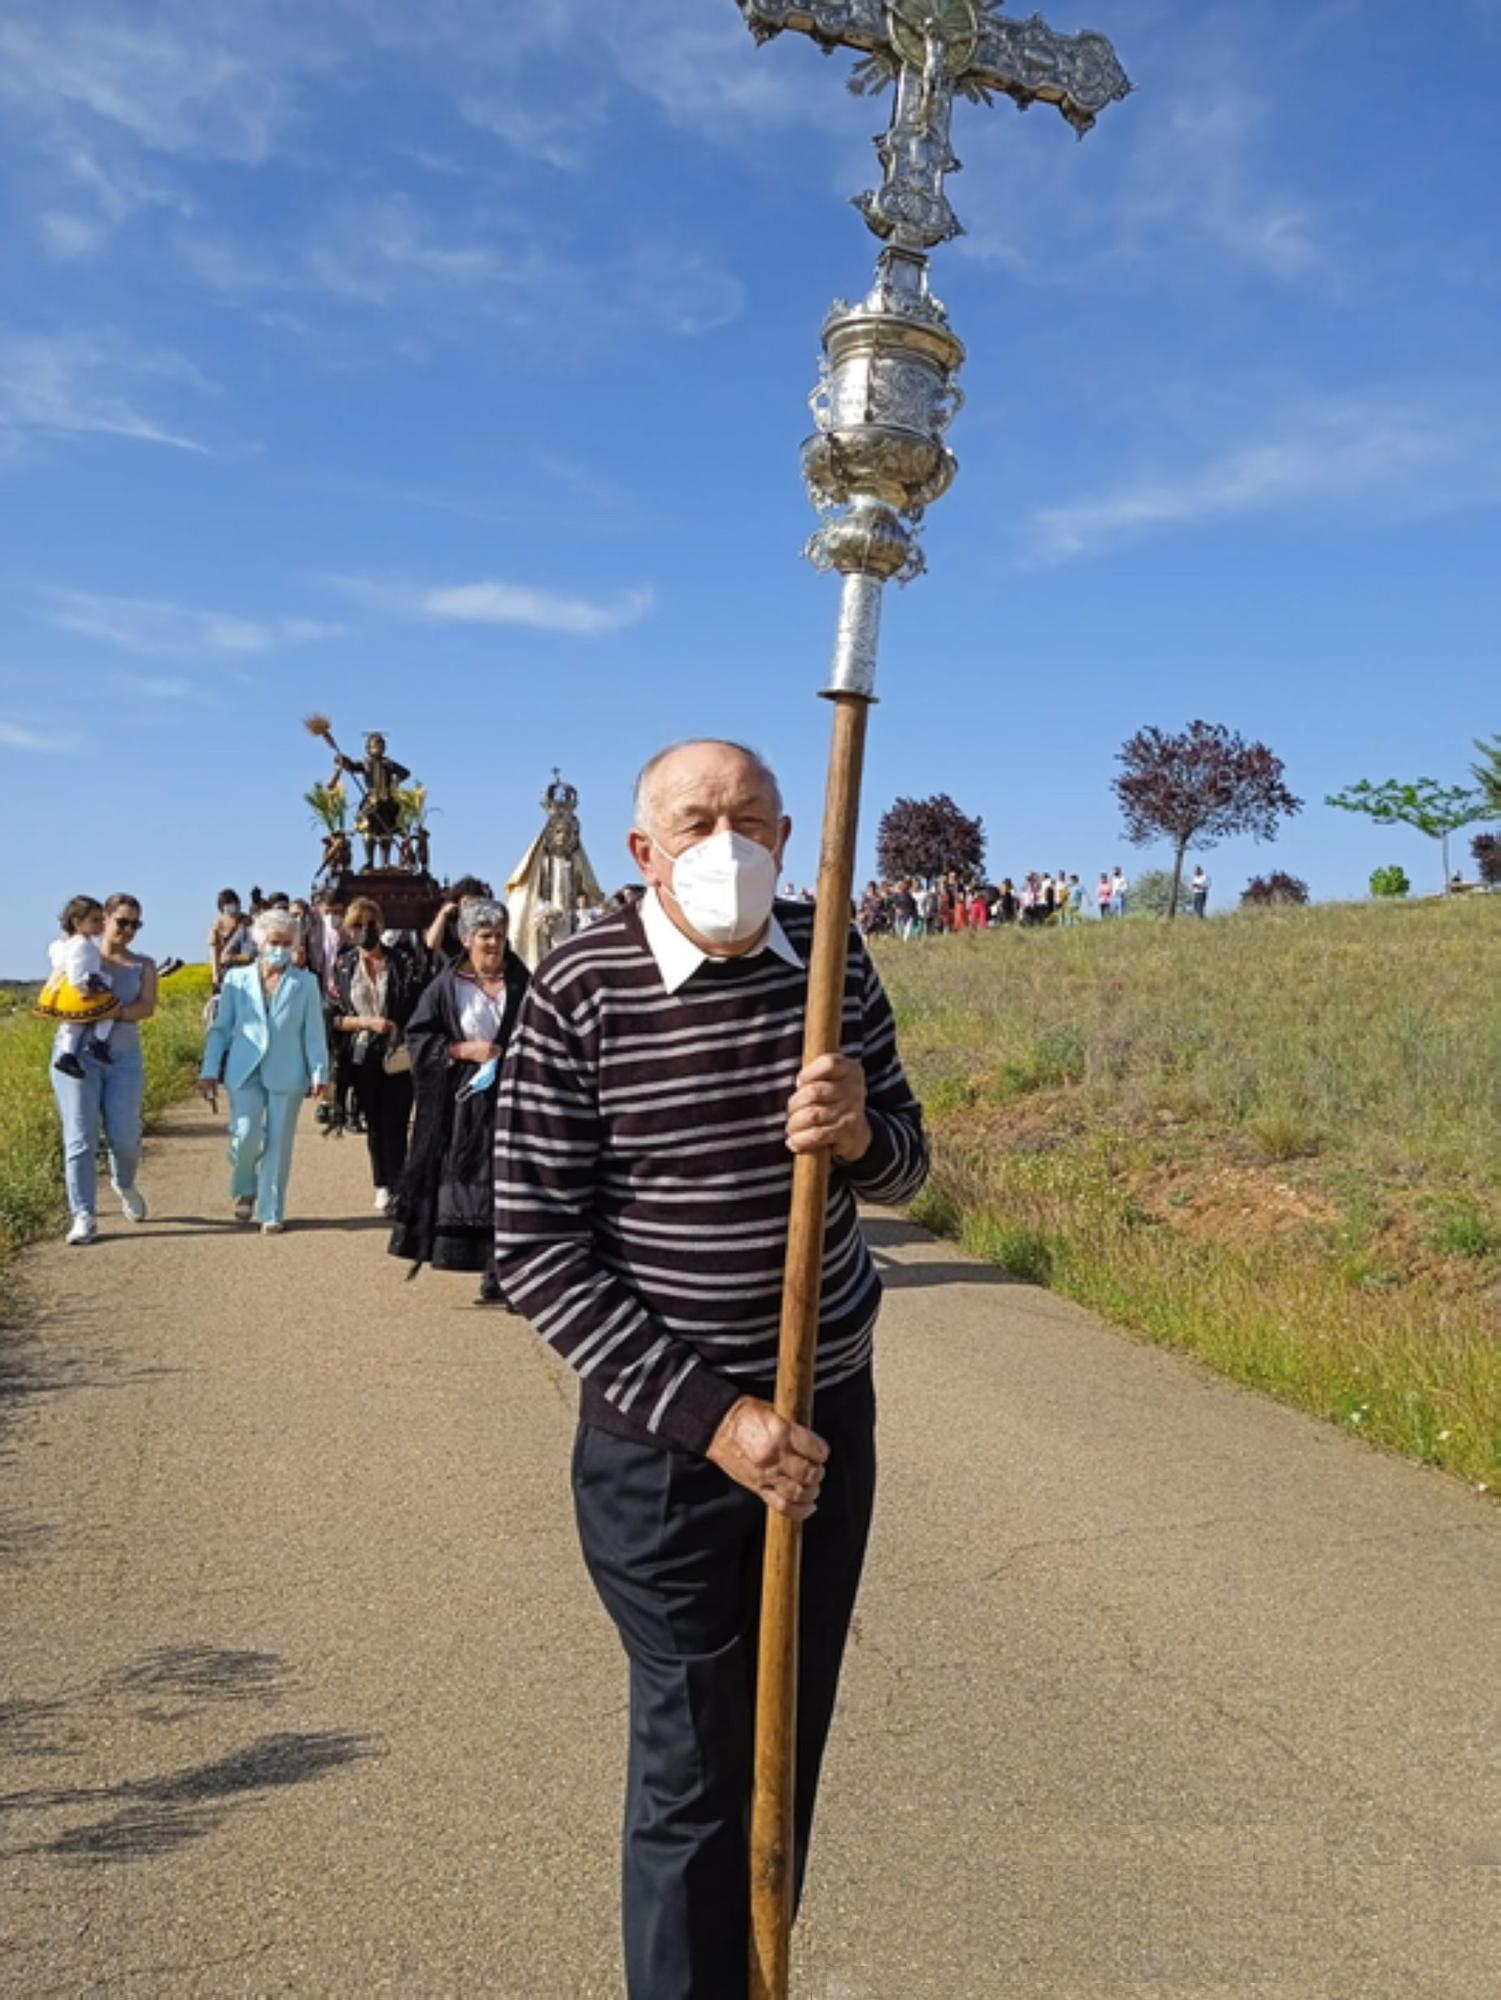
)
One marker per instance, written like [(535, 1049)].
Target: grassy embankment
[(1273, 1140), (31, 1175)]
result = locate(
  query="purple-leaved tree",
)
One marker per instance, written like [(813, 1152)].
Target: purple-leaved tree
[(1198, 788), (928, 838)]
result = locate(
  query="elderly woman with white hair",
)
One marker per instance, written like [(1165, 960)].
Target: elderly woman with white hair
[(268, 1039)]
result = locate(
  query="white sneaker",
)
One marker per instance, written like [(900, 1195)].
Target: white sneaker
[(382, 1200), (273, 1228), (132, 1203), (244, 1207), (84, 1229)]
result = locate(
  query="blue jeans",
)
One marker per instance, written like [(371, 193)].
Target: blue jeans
[(109, 1092)]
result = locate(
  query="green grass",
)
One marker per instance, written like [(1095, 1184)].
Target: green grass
[(1269, 1140), (31, 1183)]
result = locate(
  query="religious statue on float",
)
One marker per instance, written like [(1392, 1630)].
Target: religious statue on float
[(554, 891), (390, 818)]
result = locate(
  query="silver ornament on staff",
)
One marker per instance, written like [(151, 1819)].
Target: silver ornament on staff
[(879, 456)]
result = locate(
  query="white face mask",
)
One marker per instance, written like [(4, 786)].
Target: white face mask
[(725, 886)]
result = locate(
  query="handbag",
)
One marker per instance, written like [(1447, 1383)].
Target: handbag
[(397, 1060)]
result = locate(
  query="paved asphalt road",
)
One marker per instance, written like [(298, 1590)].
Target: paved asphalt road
[(1160, 1692)]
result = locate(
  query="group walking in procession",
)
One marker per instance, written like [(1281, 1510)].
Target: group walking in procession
[(606, 1143)]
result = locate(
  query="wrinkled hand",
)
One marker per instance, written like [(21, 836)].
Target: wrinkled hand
[(761, 1451), (828, 1110)]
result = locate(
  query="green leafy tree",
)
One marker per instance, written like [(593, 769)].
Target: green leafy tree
[(1435, 809), (1152, 892), (1390, 881), (1487, 773)]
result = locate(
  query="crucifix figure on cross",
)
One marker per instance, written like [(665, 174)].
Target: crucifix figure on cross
[(931, 50), (877, 460)]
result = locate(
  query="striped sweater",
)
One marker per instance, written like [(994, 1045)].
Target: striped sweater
[(643, 1183)]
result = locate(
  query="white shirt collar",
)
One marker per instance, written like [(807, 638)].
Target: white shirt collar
[(678, 957)]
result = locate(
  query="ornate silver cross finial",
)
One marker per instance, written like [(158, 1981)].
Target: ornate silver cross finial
[(889, 390), (930, 49)]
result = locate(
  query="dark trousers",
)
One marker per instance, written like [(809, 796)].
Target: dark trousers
[(675, 1549), (386, 1102)]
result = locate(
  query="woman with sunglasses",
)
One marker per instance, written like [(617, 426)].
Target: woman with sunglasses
[(109, 1095)]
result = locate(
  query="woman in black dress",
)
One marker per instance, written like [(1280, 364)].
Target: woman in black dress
[(457, 1036)]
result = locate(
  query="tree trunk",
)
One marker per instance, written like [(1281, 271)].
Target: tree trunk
[(1444, 844), (1177, 888)]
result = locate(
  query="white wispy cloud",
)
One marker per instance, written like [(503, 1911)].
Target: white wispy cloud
[(157, 687), (492, 602), (559, 138), (67, 386), (1207, 171), (176, 80), (40, 742), (163, 630), (1331, 455), (446, 280)]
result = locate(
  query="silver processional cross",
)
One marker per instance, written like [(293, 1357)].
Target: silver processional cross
[(877, 458), (889, 387)]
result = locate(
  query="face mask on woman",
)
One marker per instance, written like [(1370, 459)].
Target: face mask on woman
[(277, 956), (725, 886)]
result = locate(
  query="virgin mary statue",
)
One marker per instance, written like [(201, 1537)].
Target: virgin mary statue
[(553, 892)]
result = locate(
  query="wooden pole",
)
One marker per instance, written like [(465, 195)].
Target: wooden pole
[(776, 1685)]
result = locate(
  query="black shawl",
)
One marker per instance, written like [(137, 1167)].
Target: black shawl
[(444, 1203)]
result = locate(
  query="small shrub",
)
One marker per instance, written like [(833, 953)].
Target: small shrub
[(1390, 881), (1056, 1057), (1282, 1135), (1465, 1231), (1269, 891), (1024, 1254), (1486, 848)]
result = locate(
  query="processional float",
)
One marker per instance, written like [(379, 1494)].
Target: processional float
[(878, 457)]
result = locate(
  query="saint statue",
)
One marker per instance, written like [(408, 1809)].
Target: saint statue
[(554, 882), (378, 820)]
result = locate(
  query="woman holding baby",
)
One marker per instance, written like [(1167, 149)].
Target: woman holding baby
[(104, 1084)]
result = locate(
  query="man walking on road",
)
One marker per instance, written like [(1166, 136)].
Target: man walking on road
[(650, 1109)]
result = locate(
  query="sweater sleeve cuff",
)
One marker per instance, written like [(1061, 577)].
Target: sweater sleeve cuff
[(878, 1159), (700, 1406)]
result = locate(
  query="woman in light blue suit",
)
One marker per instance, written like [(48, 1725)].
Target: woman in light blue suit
[(268, 1038)]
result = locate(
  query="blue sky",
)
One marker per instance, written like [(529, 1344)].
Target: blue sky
[(444, 368)]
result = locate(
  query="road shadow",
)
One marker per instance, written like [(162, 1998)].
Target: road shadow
[(142, 1818), (207, 1225), (885, 1233)]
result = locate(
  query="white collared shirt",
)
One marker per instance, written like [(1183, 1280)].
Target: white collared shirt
[(678, 957)]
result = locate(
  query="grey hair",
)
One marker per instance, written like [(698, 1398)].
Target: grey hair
[(276, 923), (641, 802), (477, 913)]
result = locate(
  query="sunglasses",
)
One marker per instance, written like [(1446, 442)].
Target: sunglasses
[(127, 923)]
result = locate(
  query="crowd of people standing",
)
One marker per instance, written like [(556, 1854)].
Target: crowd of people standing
[(916, 907)]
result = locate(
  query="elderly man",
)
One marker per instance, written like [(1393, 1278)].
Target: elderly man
[(649, 1112)]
